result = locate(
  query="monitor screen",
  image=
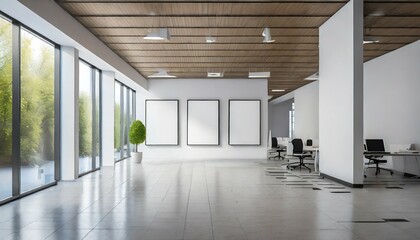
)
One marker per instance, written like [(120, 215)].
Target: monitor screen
[(375, 145)]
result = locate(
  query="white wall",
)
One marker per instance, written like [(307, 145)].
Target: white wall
[(341, 94), (108, 91), (307, 111), (392, 102), (278, 121), (69, 137), (222, 89)]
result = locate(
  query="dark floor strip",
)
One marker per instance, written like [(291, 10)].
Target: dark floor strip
[(366, 221), (335, 187), (395, 220), (295, 181), (339, 191), (315, 188), (394, 188), (299, 184)]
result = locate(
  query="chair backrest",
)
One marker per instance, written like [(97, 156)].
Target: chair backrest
[(376, 145), (297, 145), (274, 143), (309, 142)]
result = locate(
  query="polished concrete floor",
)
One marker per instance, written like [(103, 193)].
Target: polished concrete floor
[(242, 199)]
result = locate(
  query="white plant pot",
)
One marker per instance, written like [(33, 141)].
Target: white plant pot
[(137, 156)]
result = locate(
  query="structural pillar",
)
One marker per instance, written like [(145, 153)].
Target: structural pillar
[(108, 91), (341, 95), (69, 113)]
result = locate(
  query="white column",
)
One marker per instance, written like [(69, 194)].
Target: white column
[(108, 90), (341, 94), (69, 113)]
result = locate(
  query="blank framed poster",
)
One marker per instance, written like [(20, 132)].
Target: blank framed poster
[(203, 122), (244, 122), (161, 122)]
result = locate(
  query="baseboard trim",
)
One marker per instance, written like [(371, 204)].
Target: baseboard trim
[(341, 181)]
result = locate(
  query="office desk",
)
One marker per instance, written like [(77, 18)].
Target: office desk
[(316, 157), (397, 154)]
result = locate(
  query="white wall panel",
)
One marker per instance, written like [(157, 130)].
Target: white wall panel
[(161, 122), (203, 122), (244, 122)]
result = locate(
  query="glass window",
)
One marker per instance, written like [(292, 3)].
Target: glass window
[(117, 122), (37, 112), (5, 109), (292, 122), (97, 118), (123, 117), (126, 120), (85, 118)]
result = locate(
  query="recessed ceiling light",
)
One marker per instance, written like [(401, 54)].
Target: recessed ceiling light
[(369, 40), (278, 90), (313, 77), (210, 39), (267, 36), (160, 34), (162, 74), (214, 74), (259, 74)]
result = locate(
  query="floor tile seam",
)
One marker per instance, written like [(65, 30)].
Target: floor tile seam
[(20, 229), (188, 203), (352, 230), (208, 199), (61, 228), (58, 229)]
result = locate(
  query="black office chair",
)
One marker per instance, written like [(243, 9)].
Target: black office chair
[(275, 146), (299, 153), (376, 146)]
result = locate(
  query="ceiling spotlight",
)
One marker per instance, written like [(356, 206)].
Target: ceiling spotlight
[(214, 74), (259, 74), (160, 34), (369, 40), (278, 90), (210, 39), (161, 74), (313, 77), (267, 36)]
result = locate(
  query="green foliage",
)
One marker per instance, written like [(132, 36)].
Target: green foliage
[(37, 101), (85, 125), (5, 92), (37, 98), (117, 127), (137, 133)]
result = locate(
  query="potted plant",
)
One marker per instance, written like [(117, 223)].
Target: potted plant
[(137, 136)]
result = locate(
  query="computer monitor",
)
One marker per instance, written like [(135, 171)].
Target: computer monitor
[(375, 145)]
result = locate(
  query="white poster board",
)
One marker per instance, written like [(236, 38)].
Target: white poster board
[(161, 122), (203, 122), (244, 122)]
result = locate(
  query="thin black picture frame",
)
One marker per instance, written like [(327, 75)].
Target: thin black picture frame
[(229, 118), (177, 120), (218, 121)]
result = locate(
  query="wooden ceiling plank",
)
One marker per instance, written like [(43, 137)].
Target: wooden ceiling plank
[(156, 22), (204, 9)]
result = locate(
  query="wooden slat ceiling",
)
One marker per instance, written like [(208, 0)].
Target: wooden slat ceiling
[(237, 27)]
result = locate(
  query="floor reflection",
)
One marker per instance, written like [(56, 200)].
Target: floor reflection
[(242, 199)]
